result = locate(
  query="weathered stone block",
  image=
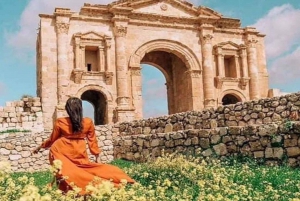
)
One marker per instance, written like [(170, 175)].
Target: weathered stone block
[(293, 151), (220, 149)]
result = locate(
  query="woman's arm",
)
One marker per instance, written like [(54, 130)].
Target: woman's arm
[(92, 141), (47, 143)]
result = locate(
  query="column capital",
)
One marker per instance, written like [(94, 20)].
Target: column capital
[(207, 39), (194, 73), (120, 30), (136, 71), (62, 27), (108, 43), (251, 43)]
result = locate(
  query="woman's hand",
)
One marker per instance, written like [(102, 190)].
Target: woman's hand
[(36, 150), (97, 159)]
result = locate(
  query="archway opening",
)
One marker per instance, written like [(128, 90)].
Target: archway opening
[(177, 90), (88, 109), (98, 101), (154, 92), (230, 99)]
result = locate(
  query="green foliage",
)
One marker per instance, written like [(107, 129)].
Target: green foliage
[(15, 131), (288, 124), (185, 178)]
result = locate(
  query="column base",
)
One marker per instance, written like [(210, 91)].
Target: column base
[(209, 103), (125, 114)]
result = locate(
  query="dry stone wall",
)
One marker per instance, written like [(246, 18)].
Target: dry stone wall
[(267, 129), (25, 114), (17, 147), (254, 112), (273, 143)]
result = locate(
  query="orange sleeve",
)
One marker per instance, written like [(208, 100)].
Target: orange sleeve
[(92, 140), (54, 136)]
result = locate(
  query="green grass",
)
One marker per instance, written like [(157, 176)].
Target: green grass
[(14, 131), (172, 177)]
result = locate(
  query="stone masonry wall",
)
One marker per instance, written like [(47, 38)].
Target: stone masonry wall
[(17, 147), (254, 112), (25, 114), (274, 143), (256, 128)]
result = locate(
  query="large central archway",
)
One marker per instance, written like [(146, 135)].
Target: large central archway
[(181, 69)]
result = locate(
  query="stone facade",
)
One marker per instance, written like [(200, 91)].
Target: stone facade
[(25, 114), (96, 55)]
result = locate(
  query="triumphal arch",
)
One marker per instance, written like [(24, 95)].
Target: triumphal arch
[(96, 54)]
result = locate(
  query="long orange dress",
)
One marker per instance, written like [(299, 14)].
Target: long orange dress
[(70, 149)]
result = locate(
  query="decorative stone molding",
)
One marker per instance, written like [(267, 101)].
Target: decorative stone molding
[(252, 43), (135, 71), (219, 82), (207, 38), (109, 77), (209, 103), (120, 31), (77, 75), (244, 82), (194, 73), (62, 27), (122, 101), (164, 7)]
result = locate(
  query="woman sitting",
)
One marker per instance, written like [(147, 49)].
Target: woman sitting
[(68, 144)]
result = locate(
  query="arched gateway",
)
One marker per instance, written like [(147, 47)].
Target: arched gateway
[(96, 55)]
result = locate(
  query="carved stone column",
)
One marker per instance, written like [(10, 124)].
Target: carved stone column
[(170, 95), (121, 65), (101, 63), (243, 54), (62, 28), (194, 86), (208, 73), (77, 71), (107, 51), (220, 62), (237, 65), (83, 67), (136, 80), (77, 54), (253, 69)]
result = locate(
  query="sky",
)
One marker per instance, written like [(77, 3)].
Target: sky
[(278, 19)]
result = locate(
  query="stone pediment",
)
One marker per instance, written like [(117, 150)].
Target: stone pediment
[(91, 36), (171, 8), (228, 45)]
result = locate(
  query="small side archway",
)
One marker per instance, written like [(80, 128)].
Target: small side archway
[(101, 100), (231, 97)]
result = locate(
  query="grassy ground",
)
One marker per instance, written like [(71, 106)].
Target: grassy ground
[(181, 178)]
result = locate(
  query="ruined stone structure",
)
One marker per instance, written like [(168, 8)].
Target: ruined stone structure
[(96, 54), (267, 129), (23, 115)]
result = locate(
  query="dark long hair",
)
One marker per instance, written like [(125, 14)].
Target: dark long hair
[(74, 110)]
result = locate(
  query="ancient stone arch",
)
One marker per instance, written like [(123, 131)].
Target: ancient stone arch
[(182, 51), (100, 49), (240, 97), (101, 99), (178, 64)]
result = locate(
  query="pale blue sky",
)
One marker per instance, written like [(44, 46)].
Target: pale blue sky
[(278, 19)]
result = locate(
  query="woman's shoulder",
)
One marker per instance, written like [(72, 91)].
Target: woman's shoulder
[(87, 120)]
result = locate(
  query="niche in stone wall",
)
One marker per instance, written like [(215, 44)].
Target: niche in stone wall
[(231, 64), (92, 57)]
